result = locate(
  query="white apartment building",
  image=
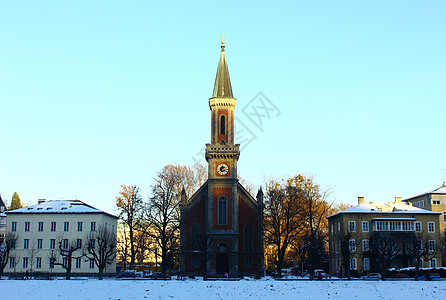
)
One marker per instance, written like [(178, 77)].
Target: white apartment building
[(39, 228)]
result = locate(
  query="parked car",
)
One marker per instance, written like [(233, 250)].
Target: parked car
[(159, 276), (432, 276), (320, 273), (399, 275), (126, 274), (372, 276)]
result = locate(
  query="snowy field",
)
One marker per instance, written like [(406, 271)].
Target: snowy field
[(197, 290)]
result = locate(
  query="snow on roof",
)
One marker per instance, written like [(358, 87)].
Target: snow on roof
[(438, 190), (59, 206), (385, 207)]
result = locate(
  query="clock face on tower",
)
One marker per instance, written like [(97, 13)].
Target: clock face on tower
[(222, 169)]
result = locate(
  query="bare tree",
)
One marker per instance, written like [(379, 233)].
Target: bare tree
[(419, 250), (282, 218), (348, 250), (100, 246), (383, 249), (6, 250), (65, 254), (33, 251), (131, 208), (163, 214)]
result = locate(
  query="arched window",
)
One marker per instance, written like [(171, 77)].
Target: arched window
[(222, 125), (222, 210), (195, 237), (247, 236)]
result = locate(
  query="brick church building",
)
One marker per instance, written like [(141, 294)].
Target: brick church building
[(221, 223)]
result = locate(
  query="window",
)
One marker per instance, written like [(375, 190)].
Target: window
[(392, 225), (52, 244), (444, 216), (92, 226), (11, 262), (222, 124), (433, 263), (13, 244), (38, 263), (431, 227), (26, 244), (27, 226), (195, 262), (39, 243), (65, 244), (92, 244), (91, 265), (222, 210), (53, 226), (79, 226), (365, 245), (366, 264), (247, 235), (435, 202), (51, 263), (336, 246), (351, 226), (66, 226), (25, 263), (418, 226), (365, 226), (40, 226), (353, 264), (78, 263), (65, 261), (352, 245), (195, 236), (248, 262), (13, 226), (79, 243), (422, 203), (431, 245)]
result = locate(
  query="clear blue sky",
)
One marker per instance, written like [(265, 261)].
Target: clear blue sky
[(95, 94)]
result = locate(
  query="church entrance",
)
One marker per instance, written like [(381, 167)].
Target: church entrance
[(222, 259)]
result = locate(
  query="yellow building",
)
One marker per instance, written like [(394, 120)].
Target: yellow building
[(395, 220), (434, 200)]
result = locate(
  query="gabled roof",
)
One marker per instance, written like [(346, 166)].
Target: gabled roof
[(222, 85), (438, 190), (59, 206), (384, 208), (2, 204)]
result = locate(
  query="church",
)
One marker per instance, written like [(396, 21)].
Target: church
[(221, 223)]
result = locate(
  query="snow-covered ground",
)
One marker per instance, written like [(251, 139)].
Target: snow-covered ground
[(197, 289)]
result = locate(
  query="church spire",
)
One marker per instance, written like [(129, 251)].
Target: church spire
[(222, 86)]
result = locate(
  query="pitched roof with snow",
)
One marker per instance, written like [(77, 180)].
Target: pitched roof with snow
[(59, 206), (384, 208), (438, 190)]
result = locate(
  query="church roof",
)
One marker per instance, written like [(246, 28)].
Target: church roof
[(222, 85), (438, 190)]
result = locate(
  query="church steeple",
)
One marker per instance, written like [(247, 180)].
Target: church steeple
[(222, 85)]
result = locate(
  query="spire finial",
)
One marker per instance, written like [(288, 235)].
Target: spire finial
[(223, 40)]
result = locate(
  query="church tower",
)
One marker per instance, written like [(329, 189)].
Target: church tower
[(221, 224)]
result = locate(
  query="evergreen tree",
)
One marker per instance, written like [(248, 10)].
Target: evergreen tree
[(15, 202)]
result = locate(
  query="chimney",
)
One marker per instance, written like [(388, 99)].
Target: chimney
[(40, 201), (360, 200), (397, 199)]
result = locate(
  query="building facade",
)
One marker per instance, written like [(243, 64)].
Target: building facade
[(393, 221), (434, 200), (41, 227), (221, 224)]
